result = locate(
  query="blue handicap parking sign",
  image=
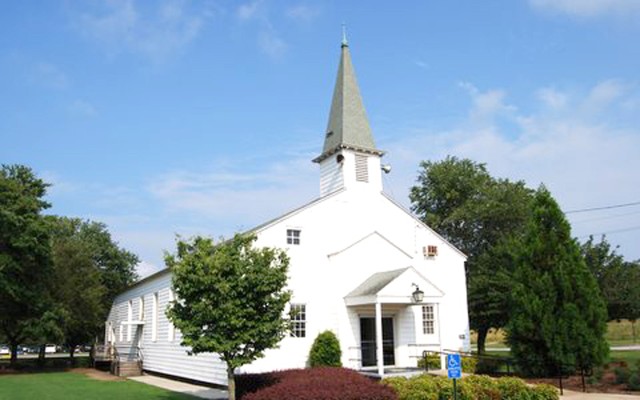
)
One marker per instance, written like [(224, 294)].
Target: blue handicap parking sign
[(454, 366)]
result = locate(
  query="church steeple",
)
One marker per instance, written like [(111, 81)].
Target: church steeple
[(348, 125), (348, 136)]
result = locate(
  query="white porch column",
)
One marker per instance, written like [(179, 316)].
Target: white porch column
[(379, 352)]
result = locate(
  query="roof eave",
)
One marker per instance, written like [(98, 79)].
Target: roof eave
[(345, 146)]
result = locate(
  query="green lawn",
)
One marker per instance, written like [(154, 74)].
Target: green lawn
[(630, 357), (72, 386)]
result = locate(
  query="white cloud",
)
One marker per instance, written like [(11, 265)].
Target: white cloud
[(235, 197), (249, 10), (156, 34), (302, 13), (82, 108), (588, 8), (271, 44), (50, 76), (604, 93), (488, 104), (585, 156), (552, 98)]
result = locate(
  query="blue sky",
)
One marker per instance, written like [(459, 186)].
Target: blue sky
[(176, 117)]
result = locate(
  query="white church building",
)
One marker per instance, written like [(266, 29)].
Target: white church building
[(357, 259)]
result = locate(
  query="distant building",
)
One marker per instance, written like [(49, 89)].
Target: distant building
[(357, 258)]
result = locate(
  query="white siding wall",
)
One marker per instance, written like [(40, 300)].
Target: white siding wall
[(163, 355)]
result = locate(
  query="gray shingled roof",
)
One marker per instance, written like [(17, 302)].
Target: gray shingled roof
[(376, 283), (348, 125)]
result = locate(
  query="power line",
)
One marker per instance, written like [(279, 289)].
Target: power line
[(605, 217), (602, 208), (633, 228)]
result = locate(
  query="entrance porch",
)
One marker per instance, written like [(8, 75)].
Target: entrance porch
[(391, 325)]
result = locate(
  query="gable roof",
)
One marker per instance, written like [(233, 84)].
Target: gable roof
[(376, 283)]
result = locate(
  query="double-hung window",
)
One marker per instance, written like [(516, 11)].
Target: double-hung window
[(428, 319), (298, 320)]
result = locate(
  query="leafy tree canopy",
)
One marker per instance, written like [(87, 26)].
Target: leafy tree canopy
[(478, 214), (231, 298), (24, 251), (117, 266), (619, 281)]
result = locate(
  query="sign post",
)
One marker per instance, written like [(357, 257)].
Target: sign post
[(454, 371)]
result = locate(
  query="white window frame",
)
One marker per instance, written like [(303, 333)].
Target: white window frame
[(298, 320), (129, 319), (293, 236), (141, 308), (428, 319), (154, 318), (171, 330), (121, 332)]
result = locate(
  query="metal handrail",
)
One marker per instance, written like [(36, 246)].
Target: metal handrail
[(509, 363)]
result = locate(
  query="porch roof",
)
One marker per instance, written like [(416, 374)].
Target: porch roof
[(395, 286)]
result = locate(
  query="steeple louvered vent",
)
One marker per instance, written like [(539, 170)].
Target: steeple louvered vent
[(362, 170)]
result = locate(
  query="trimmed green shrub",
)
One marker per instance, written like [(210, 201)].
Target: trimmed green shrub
[(325, 351), (433, 361), (512, 388), (544, 392), (473, 387), (469, 364)]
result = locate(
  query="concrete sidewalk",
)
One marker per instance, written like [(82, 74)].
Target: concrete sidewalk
[(202, 392)]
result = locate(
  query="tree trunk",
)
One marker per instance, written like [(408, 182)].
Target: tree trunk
[(231, 382), (14, 354), (482, 338), (72, 350), (633, 330), (41, 354)]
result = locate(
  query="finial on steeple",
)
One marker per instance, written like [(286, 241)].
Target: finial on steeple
[(344, 35)]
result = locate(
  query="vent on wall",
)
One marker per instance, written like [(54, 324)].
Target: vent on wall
[(430, 251), (362, 170)]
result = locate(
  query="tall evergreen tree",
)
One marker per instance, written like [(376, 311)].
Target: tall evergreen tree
[(558, 318)]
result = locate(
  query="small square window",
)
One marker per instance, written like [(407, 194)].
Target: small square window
[(298, 320), (293, 236)]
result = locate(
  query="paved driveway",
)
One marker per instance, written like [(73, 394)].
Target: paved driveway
[(568, 394)]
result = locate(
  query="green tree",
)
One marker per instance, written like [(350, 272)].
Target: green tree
[(231, 298), (558, 316), (24, 252), (614, 276), (325, 351), (85, 256), (117, 266), (77, 290), (478, 214)]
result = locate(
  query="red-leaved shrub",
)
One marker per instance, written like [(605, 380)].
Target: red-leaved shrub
[(322, 383)]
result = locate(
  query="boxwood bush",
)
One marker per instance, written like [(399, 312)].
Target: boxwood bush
[(474, 387), (321, 383), (325, 351)]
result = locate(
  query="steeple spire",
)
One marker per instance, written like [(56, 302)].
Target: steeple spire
[(344, 35), (348, 126)]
